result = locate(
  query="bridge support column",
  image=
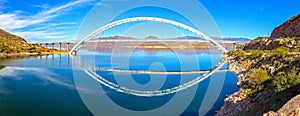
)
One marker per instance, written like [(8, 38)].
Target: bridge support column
[(68, 46), (234, 46), (74, 53), (52, 45), (59, 46)]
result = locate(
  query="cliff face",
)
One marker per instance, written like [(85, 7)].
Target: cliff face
[(285, 35), (290, 28), (277, 60)]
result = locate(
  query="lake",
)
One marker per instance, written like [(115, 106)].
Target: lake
[(56, 85)]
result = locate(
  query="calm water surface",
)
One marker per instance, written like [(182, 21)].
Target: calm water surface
[(45, 86)]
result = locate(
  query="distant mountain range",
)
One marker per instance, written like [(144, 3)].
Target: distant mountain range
[(242, 40), (217, 38)]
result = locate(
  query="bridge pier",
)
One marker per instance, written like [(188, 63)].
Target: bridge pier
[(74, 53), (68, 46), (46, 45), (234, 46), (52, 45), (59, 46)]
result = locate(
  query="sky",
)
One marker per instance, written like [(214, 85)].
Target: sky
[(59, 20)]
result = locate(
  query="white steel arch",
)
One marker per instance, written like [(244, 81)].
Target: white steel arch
[(155, 19), (154, 92)]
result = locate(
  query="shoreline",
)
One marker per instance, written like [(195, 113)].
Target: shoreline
[(243, 101), (231, 105), (4, 55)]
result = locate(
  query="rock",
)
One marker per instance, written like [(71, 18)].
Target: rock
[(269, 44), (297, 112), (290, 28), (291, 108), (271, 113), (258, 44), (291, 105)]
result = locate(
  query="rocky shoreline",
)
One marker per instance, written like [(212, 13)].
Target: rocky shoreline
[(241, 102), (231, 105)]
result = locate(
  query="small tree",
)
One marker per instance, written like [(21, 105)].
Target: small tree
[(257, 77), (284, 81)]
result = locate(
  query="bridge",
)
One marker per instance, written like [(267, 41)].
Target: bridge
[(59, 45), (137, 19), (205, 73)]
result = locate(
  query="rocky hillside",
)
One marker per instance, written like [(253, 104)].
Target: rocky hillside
[(269, 44), (268, 80), (269, 74), (10, 43), (290, 28)]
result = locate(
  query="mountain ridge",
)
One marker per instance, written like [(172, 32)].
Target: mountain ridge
[(290, 28), (184, 37)]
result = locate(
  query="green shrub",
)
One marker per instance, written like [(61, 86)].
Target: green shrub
[(255, 53), (257, 77), (1, 67), (282, 49), (298, 46), (284, 81), (239, 53)]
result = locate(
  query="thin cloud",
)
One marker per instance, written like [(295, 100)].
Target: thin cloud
[(43, 6), (16, 21), (55, 26), (12, 21), (44, 34)]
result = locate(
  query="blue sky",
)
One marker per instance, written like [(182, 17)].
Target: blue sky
[(59, 20)]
